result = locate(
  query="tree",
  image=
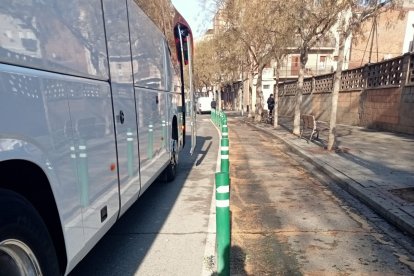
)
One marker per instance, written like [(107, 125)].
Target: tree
[(351, 20), (261, 29), (312, 21), (204, 66), (278, 60)]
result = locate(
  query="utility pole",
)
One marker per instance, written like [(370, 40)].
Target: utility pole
[(374, 33)]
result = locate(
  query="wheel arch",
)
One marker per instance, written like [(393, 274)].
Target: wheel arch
[(30, 181)]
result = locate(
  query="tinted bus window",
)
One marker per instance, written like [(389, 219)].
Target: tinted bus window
[(147, 50), (59, 36)]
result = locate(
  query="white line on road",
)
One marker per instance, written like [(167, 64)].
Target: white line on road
[(209, 262)]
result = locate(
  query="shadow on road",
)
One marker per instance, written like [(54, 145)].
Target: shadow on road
[(238, 261), (204, 153)]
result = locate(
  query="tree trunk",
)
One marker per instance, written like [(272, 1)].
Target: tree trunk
[(220, 107), (335, 93), (240, 94), (250, 94), (276, 96), (245, 101), (217, 96), (259, 94), (299, 91)]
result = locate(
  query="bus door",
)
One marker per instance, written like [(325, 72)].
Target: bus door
[(185, 53), (147, 49), (193, 121), (123, 97)]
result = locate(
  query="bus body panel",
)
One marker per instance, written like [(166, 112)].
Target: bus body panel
[(150, 84), (119, 52), (152, 150), (92, 119), (62, 124)]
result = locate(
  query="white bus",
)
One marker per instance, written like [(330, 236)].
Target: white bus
[(91, 113)]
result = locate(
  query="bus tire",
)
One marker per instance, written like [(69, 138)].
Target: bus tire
[(171, 170), (24, 239)]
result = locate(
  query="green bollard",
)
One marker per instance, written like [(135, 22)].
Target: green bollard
[(83, 174), (224, 119), (150, 141), (224, 155), (223, 223), (224, 131), (130, 152), (219, 119)]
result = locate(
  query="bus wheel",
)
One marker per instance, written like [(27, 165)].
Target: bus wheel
[(25, 244), (171, 170)]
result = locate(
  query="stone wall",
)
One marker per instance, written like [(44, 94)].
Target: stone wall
[(379, 95), (380, 107), (348, 107), (406, 123), (319, 105), (389, 109)]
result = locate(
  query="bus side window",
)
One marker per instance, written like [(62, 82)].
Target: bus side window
[(147, 50), (168, 69)]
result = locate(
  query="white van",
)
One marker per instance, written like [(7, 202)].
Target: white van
[(204, 105)]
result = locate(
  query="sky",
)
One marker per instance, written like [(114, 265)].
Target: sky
[(198, 13)]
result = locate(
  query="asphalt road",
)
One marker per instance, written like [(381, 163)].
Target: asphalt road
[(165, 231), (285, 221)]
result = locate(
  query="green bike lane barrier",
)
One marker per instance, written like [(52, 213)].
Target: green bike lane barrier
[(222, 181), (224, 155), (223, 231)]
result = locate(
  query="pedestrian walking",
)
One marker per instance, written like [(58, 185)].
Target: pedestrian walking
[(213, 104), (270, 104)]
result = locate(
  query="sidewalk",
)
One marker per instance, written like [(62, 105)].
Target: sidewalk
[(376, 167)]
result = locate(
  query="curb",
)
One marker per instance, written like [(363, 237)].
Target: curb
[(209, 259), (385, 208)]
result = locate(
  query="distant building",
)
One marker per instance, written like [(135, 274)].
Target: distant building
[(322, 59), (391, 35)]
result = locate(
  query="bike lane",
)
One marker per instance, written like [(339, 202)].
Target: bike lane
[(170, 230)]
